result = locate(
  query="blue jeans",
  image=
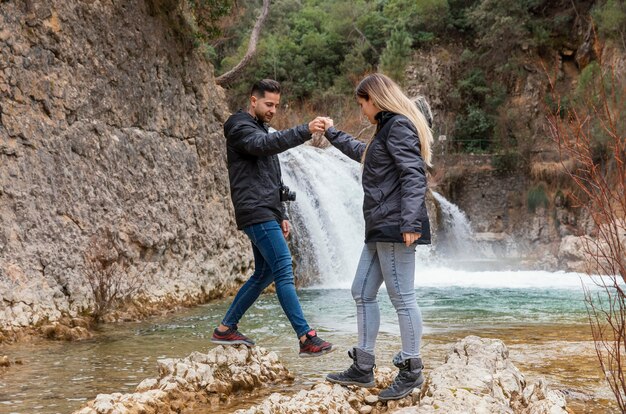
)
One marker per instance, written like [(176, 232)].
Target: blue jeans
[(272, 263), (394, 264)]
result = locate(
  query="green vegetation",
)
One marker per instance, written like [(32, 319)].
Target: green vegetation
[(320, 49), (506, 163), (610, 17), (537, 197), (396, 55)]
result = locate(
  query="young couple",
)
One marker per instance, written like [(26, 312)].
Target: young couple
[(394, 185)]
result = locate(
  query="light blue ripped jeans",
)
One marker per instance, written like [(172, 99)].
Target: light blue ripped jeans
[(394, 264)]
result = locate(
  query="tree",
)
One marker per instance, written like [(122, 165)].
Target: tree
[(501, 25), (611, 20), (596, 117), (232, 74), (396, 56)]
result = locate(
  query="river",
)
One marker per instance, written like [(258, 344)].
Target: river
[(462, 287)]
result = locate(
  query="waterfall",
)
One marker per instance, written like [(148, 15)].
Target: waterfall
[(328, 228), (455, 239), (327, 218)]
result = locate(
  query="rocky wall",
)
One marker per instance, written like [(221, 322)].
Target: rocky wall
[(110, 125)]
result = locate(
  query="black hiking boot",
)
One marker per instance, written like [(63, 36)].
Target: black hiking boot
[(409, 378), (361, 372)]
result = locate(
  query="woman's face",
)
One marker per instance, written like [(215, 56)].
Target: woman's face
[(368, 109)]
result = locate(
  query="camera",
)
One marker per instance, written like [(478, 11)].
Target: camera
[(286, 194)]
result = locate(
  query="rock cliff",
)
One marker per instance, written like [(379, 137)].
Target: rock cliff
[(517, 197), (110, 138)]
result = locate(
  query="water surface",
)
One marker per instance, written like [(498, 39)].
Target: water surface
[(544, 324)]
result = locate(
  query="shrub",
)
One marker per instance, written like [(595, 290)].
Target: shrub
[(536, 197), (473, 87), (559, 106), (506, 163), (106, 272), (474, 130), (611, 19)]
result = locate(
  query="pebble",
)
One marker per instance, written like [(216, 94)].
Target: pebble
[(371, 399)]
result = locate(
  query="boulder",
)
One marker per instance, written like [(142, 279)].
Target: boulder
[(198, 380), (477, 377)]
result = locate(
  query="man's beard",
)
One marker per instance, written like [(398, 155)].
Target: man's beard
[(263, 117)]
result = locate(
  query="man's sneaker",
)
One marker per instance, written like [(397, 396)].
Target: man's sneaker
[(314, 345), (231, 337)]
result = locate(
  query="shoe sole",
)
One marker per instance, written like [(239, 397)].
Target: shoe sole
[(397, 397), (360, 384), (316, 354), (237, 342)]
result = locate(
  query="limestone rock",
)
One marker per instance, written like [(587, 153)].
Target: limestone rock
[(4, 361), (109, 122), (197, 380), (592, 254), (477, 377)]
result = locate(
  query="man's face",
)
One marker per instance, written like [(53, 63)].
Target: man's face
[(264, 108)]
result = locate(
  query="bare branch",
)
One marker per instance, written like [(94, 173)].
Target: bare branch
[(232, 74), (601, 186)]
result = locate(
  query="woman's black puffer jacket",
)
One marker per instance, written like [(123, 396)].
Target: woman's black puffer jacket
[(394, 179)]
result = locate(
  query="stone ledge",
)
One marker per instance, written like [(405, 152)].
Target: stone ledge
[(196, 381), (477, 377)]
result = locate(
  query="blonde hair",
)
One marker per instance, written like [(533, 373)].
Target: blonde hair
[(386, 95)]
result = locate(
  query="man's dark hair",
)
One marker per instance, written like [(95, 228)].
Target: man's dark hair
[(265, 85)]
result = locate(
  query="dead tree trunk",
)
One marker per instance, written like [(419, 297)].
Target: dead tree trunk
[(232, 74)]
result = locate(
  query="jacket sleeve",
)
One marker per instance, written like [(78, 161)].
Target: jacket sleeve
[(346, 143), (252, 140), (404, 147)]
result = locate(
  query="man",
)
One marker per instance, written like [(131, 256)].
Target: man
[(255, 187)]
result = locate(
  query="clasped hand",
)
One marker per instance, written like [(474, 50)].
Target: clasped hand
[(320, 124)]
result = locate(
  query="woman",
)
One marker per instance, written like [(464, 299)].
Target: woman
[(394, 186)]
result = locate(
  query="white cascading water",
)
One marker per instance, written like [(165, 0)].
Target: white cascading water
[(456, 236), (327, 218), (328, 229)]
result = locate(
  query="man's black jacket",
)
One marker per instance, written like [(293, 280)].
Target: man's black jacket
[(394, 179), (253, 167)]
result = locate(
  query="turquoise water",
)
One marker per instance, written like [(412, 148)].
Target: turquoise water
[(58, 377)]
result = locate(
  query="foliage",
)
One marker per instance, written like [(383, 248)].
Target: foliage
[(316, 46), (473, 88), (587, 80), (500, 24), (396, 55), (610, 17), (473, 130), (537, 197), (320, 49), (417, 15), (559, 107), (207, 15), (507, 162)]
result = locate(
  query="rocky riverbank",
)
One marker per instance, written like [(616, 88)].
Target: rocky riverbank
[(110, 135), (477, 376), (198, 380)]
